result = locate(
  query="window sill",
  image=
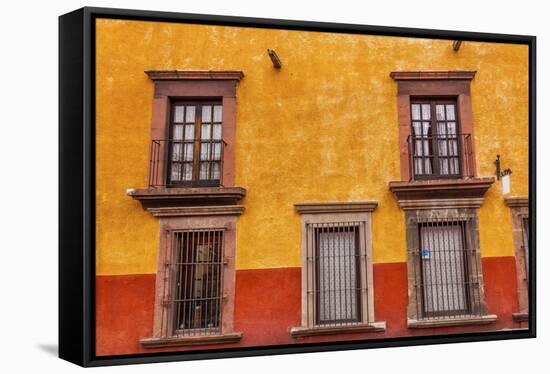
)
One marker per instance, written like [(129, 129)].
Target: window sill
[(300, 332), (520, 317), (187, 197), (471, 189), (191, 340), (477, 320)]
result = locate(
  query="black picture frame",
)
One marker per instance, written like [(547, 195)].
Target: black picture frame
[(77, 183)]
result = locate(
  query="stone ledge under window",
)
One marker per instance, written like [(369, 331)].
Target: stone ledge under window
[(191, 340), (474, 320), (517, 201), (441, 188), (300, 332), (187, 196), (520, 317)]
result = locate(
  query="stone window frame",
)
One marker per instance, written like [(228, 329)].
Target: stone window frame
[(332, 212), (519, 209), (456, 209), (433, 84), (192, 219), (197, 85)]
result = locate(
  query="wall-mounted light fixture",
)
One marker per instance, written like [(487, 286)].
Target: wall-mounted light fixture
[(502, 173), (456, 45), (274, 59)]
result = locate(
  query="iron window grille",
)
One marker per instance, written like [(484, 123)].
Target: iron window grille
[(447, 269), (335, 274), (193, 303), (525, 245), (194, 149), (437, 149)]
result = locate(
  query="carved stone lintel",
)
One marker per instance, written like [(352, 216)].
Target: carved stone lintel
[(433, 74), (336, 207), (517, 201), (193, 211), (195, 74)]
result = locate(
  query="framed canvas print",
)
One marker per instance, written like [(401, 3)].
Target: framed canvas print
[(235, 186)]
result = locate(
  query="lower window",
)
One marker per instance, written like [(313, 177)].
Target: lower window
[(196, 271), (444, 267), (337, 287)]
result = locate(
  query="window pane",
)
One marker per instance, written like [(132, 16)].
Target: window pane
[(175, 174), (178, 114), (204, 171), (190, 114), (451, 128), (426, 112), (205, 151), (187, 171), (440, 112), (207, 113), (205, 132), (441, 129), (189, 151), (217, 132), (216, 151), (450, 112), (217, 113), (215, 170), (337, 277), (415, 112), (178, 132), (442, 253), (189, 132), (176, 151)]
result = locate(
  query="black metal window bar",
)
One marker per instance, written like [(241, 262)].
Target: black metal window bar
[(194, 151), (195, 277), (525, 246), (447, 269), (336, 285), (436, 147)]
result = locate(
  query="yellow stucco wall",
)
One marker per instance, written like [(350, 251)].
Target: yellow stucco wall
[(323, 128)]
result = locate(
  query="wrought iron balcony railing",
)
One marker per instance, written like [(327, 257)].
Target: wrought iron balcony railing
[(186, 163), (440, 156)]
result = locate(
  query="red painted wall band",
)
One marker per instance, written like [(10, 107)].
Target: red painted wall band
[(267, 305)]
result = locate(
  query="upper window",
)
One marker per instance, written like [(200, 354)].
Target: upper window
[(435, 142), (193, 123), (195, 145), (435, 124)]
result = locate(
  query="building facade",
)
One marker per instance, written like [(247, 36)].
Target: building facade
[(349, 194)]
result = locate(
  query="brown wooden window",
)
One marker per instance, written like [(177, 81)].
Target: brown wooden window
[(195, 144), (195, 272), (435, 142)]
